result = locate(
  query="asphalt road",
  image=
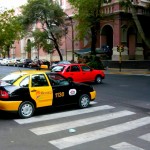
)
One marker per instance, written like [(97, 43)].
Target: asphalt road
[(119, 119)]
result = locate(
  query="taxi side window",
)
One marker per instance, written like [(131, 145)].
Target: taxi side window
[(25, 82), (57, 80), (39, 80)]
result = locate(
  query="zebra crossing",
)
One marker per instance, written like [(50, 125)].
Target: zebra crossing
[(112, 113)]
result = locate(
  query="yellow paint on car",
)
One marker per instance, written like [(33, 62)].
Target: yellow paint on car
[(93, 95), (10, 105)]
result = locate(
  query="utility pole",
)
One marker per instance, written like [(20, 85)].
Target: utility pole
[(72, 30)]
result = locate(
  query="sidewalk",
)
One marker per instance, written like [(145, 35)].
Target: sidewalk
[(127, 71)]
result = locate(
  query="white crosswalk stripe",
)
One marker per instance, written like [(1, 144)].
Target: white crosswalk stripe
[(98, 134), (125, 146), (63, 114), (108, 113), (79, 123), (145, 137)]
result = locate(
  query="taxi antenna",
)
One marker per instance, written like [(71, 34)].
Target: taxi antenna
[(19, 69)]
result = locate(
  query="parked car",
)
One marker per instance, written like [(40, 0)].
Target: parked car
[(28, 90), (1, 59), (14, 62), (37, 63), (79, 73), (5, 61), (24, 63)]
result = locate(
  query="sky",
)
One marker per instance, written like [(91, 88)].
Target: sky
[(8, 4)]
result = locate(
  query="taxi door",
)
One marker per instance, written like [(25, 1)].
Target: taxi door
[(41, 90), (63, 92)]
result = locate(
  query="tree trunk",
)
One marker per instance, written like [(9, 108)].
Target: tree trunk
[(94, 40), (8, 50), (56, 46)]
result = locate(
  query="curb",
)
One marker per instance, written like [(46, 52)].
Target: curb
[(127, 71)]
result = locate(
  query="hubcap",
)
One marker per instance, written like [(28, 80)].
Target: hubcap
[(26, 110), (98, 79), (84, 102)]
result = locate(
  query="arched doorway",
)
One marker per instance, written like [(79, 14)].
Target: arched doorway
[(107, 38)]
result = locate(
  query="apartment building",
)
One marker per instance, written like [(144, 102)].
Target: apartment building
[(117, 28)]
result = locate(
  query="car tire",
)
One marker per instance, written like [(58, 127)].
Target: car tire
[(84, 101), (26, 109), (98, 79)]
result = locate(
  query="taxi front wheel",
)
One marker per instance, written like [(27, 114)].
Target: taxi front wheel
[(26, 109), (84, 101)]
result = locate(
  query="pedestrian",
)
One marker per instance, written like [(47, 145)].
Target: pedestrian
[(38, 64)]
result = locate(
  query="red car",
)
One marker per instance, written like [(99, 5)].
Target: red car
[(79, 73)]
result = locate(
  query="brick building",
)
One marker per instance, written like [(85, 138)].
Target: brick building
[(117, 28)]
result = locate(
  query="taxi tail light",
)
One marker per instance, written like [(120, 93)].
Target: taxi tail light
[(4, 94)]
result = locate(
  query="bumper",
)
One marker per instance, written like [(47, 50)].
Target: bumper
[(10, 105), (93, 95)]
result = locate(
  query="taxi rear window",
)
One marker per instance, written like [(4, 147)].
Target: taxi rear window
[(11, 78)]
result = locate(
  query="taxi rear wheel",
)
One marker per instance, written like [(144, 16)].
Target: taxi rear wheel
[(84, 101), (26, 109)]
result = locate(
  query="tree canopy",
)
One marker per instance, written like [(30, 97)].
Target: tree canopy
[(10, 29), (88, 14), (51, 18)]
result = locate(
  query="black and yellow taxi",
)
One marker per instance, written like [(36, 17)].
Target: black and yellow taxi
[(25, 91)]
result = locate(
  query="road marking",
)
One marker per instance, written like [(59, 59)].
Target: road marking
[(93, 103), (99, 134), (79, 123), (63, 114), (125, 146), (145, 137)]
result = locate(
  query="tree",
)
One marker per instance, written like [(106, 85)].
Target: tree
[(51, 18), (10, 30), (40, 41), (132, 5), (88, 17)]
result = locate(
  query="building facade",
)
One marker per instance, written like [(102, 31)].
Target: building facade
[(117, 28)]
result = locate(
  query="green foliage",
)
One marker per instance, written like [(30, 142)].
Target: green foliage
[(40, 41), (88, 16), (50, 18), (95, 63), (92, 61), (10, 29)]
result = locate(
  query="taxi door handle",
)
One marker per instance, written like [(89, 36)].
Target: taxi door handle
[(33, 91)]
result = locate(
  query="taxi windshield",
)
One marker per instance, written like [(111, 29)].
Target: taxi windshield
[(11, 78)]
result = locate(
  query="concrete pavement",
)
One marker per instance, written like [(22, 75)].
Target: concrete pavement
[(127, 71)]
